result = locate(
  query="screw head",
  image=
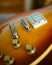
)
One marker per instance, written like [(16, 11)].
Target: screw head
[(30, 49), (16, 43), (8, 59)]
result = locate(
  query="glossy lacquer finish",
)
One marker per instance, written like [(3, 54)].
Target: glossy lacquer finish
[(40, 38)]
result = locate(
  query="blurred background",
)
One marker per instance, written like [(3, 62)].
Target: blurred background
[(10, 8)]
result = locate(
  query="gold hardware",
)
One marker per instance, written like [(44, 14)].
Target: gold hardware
[(9, 60), (30, 49), (16, 43)]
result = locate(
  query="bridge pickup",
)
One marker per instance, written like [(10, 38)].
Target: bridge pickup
[(13, 30), (25, 24), (36, 19)]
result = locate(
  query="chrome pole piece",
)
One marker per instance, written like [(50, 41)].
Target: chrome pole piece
[(25, 24), (13, 30), (30, 49), (9, 60)]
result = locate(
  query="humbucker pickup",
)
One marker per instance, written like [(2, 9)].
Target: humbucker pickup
[(36, 19)]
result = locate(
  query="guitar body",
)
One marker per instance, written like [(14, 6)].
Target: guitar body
[(40, 38)]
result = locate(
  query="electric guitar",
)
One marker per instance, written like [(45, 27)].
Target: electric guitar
[(26, 39)]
